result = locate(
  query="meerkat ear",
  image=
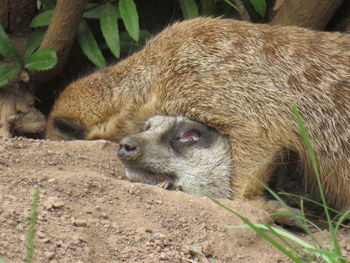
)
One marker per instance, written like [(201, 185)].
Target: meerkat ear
[(68, 128)]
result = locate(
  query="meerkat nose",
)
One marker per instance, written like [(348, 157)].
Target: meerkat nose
[(129, 149)]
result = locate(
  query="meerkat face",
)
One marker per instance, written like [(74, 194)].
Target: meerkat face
[(175, 152)]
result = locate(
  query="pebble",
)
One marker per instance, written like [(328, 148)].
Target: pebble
[(79, 222), (347, 247), (142, 230), (50, 255), (53, 202), (163, 256)]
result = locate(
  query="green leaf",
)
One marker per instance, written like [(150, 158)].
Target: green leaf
[(129, 46), (43, 19), (7, 73), (259, 6), (109, 27), (41, 59), (93, 11), (7, 49), (33, 42), (89, 45), (130, 18), (189, 8)]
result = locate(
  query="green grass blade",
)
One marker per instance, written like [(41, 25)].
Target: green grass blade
[(259, 231), (7, 48), (310, 201), (280, 232), (233, 6), (7, 73), (89, 45), (312, 156), (32, 226), (42, 59), (296, 218), (109, 27), (341, 220), (327, 256), (189, 8), (128, 13)]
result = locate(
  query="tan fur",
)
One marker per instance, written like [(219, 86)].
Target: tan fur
[(239, 78)]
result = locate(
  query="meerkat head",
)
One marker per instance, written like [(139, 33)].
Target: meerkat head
[(178, 153)]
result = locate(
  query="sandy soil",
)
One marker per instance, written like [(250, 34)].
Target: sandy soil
[(88, 214)]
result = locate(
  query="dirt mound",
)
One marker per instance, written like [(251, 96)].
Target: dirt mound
[(88, 214)]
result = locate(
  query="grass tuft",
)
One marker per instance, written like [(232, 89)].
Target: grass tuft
[(32, 226)]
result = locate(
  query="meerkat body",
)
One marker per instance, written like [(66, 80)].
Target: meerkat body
[(240, 78)]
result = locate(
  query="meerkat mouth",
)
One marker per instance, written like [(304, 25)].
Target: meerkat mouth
[(152, 177)]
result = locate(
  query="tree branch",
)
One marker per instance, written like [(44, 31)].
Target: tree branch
[(60, 35), (313, 14)]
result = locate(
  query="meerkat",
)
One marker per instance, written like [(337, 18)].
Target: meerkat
[(239, 78), (177, 153)]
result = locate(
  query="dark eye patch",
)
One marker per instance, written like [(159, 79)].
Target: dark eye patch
[(196, 134), (190, 136), (69, 129)]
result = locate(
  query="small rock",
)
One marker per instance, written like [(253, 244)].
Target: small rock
[(50, 255), (53, 202), (347, 247), (40, 234), (79, 222), (46, 240), (142, 230), (163, 256), (59, 243), (104, 215)]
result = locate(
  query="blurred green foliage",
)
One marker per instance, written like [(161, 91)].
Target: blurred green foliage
[(110, 14)]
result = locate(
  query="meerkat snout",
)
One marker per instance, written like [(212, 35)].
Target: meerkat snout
[(129, 149)]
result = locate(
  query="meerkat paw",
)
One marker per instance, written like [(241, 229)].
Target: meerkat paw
[(283, 215), (167, 185), (170, 185), (279, 214)]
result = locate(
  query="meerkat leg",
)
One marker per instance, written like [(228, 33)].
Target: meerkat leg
[(254, 164)]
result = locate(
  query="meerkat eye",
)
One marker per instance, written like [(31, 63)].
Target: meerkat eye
[(146, 126), (189, 136)]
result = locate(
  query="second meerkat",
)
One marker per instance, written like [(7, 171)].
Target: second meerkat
[(240, 78)]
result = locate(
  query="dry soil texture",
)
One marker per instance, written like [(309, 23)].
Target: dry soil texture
[(88, 214)]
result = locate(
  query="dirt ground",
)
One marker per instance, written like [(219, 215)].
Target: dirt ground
[(87, 213)]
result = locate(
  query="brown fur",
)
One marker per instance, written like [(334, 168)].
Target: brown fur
[(239, 78)]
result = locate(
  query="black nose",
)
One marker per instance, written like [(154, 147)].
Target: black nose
[(129, 149)]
